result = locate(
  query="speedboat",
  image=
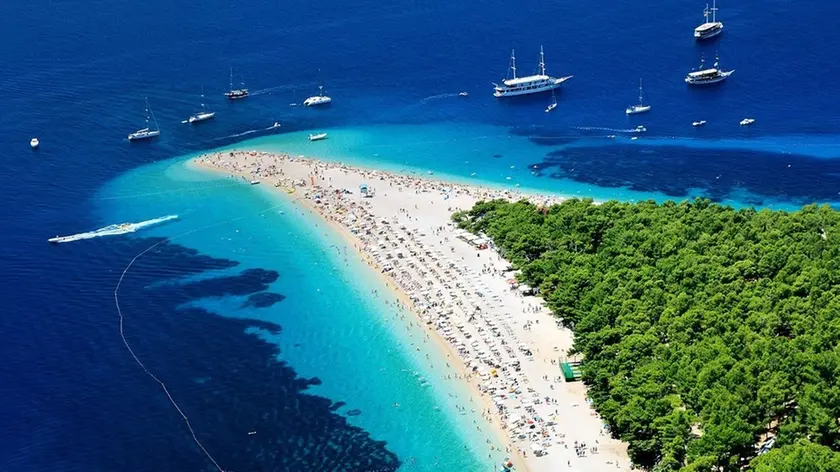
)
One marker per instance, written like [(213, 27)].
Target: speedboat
[(747, 121), (640, 129), (697, 124), (255, 182), (531, 84), (553, 103), (317, 100), (709, 29), (274, 126), (317, 137), (463, 94), (201, 116), (34, 143)]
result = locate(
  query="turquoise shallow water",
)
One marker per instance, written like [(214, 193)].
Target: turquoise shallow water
[(528, 158), (333, 327)]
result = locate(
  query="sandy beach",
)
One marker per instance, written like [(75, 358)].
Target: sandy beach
[(504, 343)]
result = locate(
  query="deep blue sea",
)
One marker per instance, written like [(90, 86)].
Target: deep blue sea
[(247, 310)]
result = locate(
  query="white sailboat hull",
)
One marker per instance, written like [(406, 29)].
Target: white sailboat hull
[(203, 116), (636, 109), (143, 134)]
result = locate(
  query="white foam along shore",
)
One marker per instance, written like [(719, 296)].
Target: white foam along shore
[(462, 292)]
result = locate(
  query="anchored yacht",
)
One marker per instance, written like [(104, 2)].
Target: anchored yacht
[(704, 76), (641, 107), (709, 29), (236, 94), (531, 84), (203, 114)]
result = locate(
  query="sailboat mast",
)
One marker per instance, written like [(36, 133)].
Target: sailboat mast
[(542, 61), (147, 112), (641, 95), (513, 62), (714, 11), (231, 78), (202, 98)]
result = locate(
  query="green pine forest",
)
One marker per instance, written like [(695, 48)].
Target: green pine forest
[(704, 329)]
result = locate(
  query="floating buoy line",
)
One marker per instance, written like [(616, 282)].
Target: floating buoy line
[(134, 355)]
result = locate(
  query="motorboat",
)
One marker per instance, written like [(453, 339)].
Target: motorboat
[(704, 76), (317, 137), (747, 121), (640, 129), (318, 100), (236, 94), (641, 107), (709, 29), (553, 103), (697, 124), (274, 126), (531, 84), (147, 132), (34, 143), (463, 94), (254, 182)]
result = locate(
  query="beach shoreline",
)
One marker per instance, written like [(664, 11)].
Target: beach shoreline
[(324, 189)]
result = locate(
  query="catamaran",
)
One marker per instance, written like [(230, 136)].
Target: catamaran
[(203, 114), (531, 84), (146, 132), (641, 107), (317, 100), (236, 94), (709, 29), (704, 76)]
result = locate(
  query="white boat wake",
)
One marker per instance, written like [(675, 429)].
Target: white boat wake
[(237, 135), (614, 130), (112, 230), (439, 96)]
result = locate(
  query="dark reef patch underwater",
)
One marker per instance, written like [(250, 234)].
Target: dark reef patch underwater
[(225, 379), (677, 171)]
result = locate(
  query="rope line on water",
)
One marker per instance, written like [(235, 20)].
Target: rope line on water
[(134, 355)]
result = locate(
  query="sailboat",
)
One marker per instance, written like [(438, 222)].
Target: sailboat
[(146, 132), (553, 104), (236, 94), (709, 29), (641, 107), (203, 114)]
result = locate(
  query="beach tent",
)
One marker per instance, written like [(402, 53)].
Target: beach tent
[(571, 371)]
